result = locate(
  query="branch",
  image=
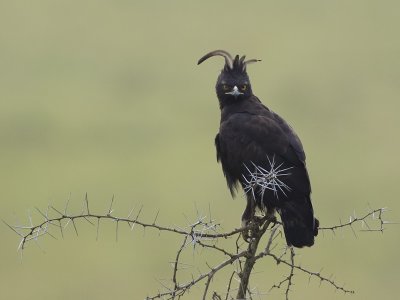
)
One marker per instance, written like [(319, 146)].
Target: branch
[(33, 232), (375, 214), (258, 231), (181, 289), (203, 233)]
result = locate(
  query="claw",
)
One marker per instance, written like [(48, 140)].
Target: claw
[(247, 234), (272, 219)]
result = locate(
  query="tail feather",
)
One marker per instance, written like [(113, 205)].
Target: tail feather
[(299, 224)]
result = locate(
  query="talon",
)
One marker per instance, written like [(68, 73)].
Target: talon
[(272, 219), (246, 237), (247, 234)]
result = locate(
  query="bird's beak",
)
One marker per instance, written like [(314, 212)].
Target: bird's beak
[(235, 92)]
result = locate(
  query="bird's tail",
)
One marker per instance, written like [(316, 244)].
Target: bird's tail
[(299, 224)]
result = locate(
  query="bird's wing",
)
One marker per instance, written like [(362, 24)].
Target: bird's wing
[(294, 140), (248, 138), (259, 150), (292, 137), (218, 147), (221, 157), (252, 135)]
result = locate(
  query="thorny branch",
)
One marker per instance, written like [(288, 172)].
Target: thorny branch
[(205, 234)]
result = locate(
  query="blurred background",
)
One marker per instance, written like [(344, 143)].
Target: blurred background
[(105, 98)]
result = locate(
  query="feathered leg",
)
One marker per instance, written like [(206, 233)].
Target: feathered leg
[(247, 216)]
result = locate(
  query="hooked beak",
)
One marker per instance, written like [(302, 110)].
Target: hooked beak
[(235, 92)]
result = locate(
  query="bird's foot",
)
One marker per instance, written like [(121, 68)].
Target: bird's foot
[(255, 224), (251, 227), (261, 220), (270, 218), (247, 233)]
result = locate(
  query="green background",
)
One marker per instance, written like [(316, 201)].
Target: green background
[(105, 97)]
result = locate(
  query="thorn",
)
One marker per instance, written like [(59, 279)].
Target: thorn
[(13, 229), (355, 235), (66, 224), (97, 230), (140, 211), (87, 203), (66, 205), (61, 229), (116, 232), (47, 232), (30, 217), (209, 211), (21, 245), (91, 223), (73, 223), (155, 219), (110, 210), (130, 213), (40, 212), (389, 222), (137, 217), (57, 211)]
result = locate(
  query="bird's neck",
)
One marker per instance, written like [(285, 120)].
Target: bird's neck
[(227, 101), (250, 105)]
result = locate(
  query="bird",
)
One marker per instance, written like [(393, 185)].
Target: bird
[(260, 152)]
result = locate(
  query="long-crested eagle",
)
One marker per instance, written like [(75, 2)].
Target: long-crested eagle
[(262, 153)]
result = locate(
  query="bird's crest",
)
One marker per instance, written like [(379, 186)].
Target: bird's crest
[(237, 64)]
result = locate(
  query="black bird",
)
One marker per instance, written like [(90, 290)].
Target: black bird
[(262, 153)]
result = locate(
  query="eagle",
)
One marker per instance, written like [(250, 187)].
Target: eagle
[(260, 152)]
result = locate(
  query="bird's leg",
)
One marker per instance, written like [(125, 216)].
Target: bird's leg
[(270, 214), (267, 216), (247, 216)]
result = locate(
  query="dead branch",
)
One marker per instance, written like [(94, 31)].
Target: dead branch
[(205, 234)]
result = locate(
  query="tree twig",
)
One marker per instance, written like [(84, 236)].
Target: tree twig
[(202, 233)]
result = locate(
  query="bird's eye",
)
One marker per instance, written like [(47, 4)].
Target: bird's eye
[(225, 87), (243, 87)]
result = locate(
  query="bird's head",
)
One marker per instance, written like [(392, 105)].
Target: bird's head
[(233, 83)]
